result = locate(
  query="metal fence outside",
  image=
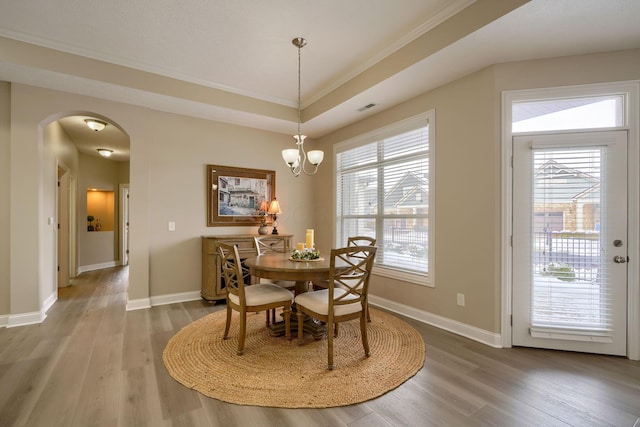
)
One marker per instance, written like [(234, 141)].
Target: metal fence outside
[(580, 250)]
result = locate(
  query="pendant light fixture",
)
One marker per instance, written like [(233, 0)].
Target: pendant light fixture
[(296, 158)]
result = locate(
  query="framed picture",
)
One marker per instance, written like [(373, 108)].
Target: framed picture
[(238, 196)]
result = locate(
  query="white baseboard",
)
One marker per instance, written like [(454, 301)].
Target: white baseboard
[(24, 319), (486, 337), (138, 304), (48, 303), (141, 303), (30, 318), (489, 338), (92, 267), (173, 298)]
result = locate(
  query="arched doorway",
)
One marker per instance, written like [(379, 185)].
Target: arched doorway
[(85, 176)]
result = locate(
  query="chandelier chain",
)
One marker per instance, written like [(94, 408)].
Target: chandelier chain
[(299, 106)]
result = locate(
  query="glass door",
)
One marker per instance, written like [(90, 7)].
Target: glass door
[(569, 241)]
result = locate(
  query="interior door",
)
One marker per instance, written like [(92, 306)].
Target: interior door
[(569, 241)]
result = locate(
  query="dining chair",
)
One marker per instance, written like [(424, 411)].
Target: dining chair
[(344, 299), (362, 241), (268, 245), (249, 298)]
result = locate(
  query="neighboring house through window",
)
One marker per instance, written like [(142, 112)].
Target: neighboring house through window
[(384, 190)]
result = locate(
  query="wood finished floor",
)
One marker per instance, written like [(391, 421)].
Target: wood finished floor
[(91, 363)]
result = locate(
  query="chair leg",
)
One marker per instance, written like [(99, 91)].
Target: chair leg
[(228, 324), (300, 325), (368, 315), (268, 317), (243, 332), (363, 332), (287, 322), (330, 365)]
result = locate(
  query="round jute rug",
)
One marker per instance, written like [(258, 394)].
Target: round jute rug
[(278, 373)]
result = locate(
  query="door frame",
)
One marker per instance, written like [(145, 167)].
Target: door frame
[(124, 223), (66, 216), (631, 90)]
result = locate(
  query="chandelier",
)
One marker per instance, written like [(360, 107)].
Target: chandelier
[(296, 158)]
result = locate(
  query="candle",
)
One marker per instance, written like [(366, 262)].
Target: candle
[(310, 242), (300, 246)]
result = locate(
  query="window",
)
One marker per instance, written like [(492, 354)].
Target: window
[(590, 112), (383, 189)]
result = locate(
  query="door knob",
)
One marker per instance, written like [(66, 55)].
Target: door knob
[(620, 259)]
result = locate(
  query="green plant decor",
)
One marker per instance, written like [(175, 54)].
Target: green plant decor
[(560, 270), (306, 254)]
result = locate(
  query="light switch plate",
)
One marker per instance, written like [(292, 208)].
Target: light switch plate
[(172, 226)]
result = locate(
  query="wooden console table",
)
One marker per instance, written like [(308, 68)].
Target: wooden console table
[(212, 281)]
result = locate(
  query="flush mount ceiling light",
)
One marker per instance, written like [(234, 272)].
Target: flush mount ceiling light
[(105, 152), (96, 125), (296, 158)]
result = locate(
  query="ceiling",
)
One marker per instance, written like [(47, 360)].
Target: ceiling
[(233, 60)]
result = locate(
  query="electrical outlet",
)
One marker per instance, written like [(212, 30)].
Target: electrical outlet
[(461, 300)]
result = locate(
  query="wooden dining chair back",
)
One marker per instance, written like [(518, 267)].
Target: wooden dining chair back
[(362, 241), (268, 244), (344, 299), (249, 298), (351, 241)]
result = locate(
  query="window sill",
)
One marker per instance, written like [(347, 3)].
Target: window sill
[(418, 279)]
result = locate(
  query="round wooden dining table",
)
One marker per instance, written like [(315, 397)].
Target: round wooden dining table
[(280, 266)]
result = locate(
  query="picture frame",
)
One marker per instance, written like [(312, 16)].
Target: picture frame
[(235, 195)]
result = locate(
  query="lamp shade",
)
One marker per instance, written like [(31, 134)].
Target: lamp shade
[(290, 155), (264, 205), (274, 208), (315, 156)]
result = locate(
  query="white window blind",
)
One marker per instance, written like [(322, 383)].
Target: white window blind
[(571, 294), (383, 192)]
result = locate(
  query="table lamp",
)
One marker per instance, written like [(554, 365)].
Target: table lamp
[(274, 209)]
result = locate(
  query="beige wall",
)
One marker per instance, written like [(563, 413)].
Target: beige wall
[(468, 179), (56, 147), (182, 148), (169, 154), (5, 121)]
